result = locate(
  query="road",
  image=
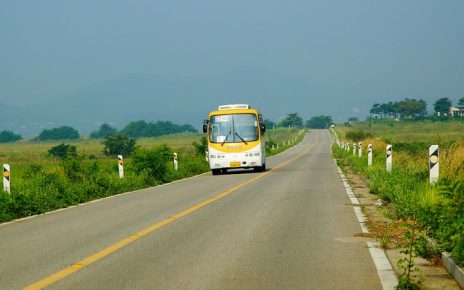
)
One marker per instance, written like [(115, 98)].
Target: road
[(291, 227)]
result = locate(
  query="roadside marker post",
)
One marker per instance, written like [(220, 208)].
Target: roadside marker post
[(206, 156), (121, 166), (6, 178), (389, 158), (360, 150), (369, 155), (176, 164), (433, 164), (354, 149)]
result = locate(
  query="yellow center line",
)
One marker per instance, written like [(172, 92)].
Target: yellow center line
[(124, 242)]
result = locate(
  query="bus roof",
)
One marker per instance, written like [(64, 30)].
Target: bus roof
[(234, 107)]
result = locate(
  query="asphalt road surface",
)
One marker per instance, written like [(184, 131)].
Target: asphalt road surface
[(291, 227)]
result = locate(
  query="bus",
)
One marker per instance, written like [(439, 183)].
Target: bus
[(235, 136)]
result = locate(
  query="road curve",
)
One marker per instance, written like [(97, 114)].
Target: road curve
[(291, 227)]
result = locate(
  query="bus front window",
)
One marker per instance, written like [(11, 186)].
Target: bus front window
[(230, 128)]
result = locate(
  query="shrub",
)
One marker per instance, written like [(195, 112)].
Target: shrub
[(357, 135), (202, 146), (152, 161), (63, 151), (119, 144)]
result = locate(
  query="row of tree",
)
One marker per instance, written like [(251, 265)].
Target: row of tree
[(134, 129), (294, 120), (412, 108), (143, 129)]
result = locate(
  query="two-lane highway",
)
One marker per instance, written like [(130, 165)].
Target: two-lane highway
[(288, 228)]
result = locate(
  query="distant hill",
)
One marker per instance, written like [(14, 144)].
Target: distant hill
[(148, 97)]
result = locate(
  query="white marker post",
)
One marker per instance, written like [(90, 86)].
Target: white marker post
[(369, 155), (354, 149), (6, 178), (360, 150), (206, 156), (347, 147), (433, 164), (176, 164), (121, 166), (389, 158)]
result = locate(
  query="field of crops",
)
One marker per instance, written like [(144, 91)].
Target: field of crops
[(40, 182), (438, 211)]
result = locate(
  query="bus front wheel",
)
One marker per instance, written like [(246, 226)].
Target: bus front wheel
[(216, 171), (261, 168)]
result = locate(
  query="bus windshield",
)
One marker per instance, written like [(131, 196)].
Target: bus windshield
[(233, 128)]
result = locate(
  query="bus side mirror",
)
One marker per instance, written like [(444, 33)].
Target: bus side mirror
[(263, 127), (205, 126)]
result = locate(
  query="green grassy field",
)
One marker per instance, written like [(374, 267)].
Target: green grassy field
[(407, 131)]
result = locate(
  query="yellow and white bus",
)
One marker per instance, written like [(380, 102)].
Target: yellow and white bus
[(235, 138)]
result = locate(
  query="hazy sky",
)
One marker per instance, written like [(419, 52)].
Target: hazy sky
[(355, 52)]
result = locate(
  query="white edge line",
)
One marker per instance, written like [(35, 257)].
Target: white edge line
[(123, 193), (384, 269)]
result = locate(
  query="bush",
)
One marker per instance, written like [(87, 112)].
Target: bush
[(202, 146), (357, 135), (60, 133), (152, 161), (63, 151), (8, 136), (119, 145)]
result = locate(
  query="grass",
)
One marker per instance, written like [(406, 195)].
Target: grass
[(439, 209), (406, 131)]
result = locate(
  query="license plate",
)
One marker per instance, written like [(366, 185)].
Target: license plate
[(235, 164)]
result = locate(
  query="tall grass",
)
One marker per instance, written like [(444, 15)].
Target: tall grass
[(438, 210)]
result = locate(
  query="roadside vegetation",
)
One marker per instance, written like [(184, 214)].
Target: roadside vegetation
[(437, 212), (47, 175)]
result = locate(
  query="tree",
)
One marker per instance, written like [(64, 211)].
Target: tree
[(119, 145), (375, 110), (61, 133), (8, 136), (292, 120), (63, 151), (142, 128), (409, 108), (104, 131), (461, 103), (319, 122), (442, 105), (269, 124)]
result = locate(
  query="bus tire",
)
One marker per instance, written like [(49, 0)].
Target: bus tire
[(260, 168), (216, 171)]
